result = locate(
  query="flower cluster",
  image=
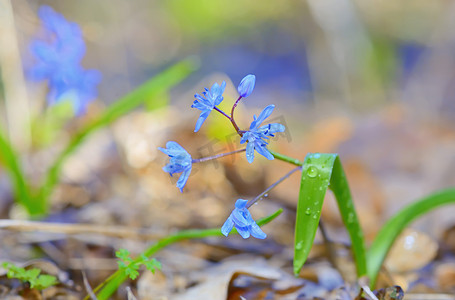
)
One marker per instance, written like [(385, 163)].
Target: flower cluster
[(256, 138), (180, 162), (243, 222), (58, 59), (207, 102)]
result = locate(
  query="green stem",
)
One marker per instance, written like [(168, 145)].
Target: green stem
[(287, 159), (110, 285)]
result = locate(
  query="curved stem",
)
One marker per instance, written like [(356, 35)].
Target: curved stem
[(232, 117), (198, 160)]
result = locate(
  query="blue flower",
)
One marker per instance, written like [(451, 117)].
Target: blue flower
[(180, 162), (243, 222), (256, 135), (208, 101), (58, 61), (246, 86)]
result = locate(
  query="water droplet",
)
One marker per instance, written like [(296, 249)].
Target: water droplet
[(316, 215), (316, 155), (308, 211), (350, 217), (299, 245), (266, 195), (312, 172)]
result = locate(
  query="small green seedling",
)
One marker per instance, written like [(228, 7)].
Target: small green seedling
[(33, 277), (130, 267)]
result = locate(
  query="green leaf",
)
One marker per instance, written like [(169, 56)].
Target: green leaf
[(131, 272), (152, 265), (318, 171), (32, 274), (122, 254), (44, 281), (393, 227)]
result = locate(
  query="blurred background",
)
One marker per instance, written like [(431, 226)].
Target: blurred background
[(371, 80)]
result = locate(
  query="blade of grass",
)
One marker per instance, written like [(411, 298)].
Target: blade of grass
[(110, 285), (393, 227), (155, 87), (9, 159), (320, 170)]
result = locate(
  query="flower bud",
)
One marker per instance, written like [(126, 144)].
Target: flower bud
[(246, 86)]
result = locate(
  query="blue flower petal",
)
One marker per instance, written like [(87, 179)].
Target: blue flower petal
[(202, 117), (58, 59), (262, 116), (246, 86), (241, 218), (227, 226), (250, 152), (207, 102), (257, 232), (264, 152), (180, 162), (243, 231), (183, 179), (240, 203), (257, 137)]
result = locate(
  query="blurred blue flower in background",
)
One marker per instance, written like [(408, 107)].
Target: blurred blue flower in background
[(58, 61), (256, 135), (180, 162), (246, 86), (207, 102), (243, 222)]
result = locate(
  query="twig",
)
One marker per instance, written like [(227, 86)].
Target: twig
[(88, 288), (113, 231)]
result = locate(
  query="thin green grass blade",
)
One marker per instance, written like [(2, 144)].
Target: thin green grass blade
[(318, 171), (340, 188), (9, 159), (110, 285), (152, 89), (390, 231)]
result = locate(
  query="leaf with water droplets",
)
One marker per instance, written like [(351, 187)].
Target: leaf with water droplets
[(320, 171)]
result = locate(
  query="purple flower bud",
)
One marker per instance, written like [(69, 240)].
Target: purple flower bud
[(246, 86)]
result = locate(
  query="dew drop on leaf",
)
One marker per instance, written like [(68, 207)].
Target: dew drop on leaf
[(312, 172)]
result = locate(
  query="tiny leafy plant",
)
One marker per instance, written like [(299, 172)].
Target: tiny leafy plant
[(32, 276), (130, 267)]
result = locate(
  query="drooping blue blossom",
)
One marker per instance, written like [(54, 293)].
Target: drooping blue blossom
[(207, 102), (243, 222), (246, 86), (58, 57), (180, 162), (256, 136)]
